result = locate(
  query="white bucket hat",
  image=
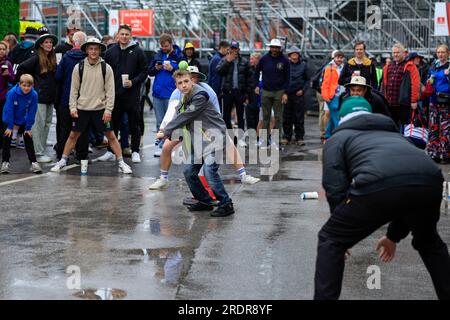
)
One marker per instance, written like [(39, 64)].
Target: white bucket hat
[(275, 43), (194, 69), (93, 41)]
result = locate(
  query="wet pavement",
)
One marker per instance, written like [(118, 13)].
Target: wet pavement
[(106, 236)]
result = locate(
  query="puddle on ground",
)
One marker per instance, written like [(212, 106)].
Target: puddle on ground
[(279, 177), (303, 157), (101, 294)]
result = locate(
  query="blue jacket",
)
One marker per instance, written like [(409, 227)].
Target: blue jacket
[(299, 79), (214, 79), (64, 72), (275, 72), (441, 81), (164, 84), (20, 109)]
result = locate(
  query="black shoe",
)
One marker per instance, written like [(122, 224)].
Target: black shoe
[(223, 211), (200, 206), (189, 201)]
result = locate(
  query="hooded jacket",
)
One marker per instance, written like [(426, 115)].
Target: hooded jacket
[(199, 109), (367, 69), (132, 61), (94, 94), (163, 85), (64, 73), (367, 154), (20, 109), (330, 81), (225, 70), (4, 80), (22, 52), (44, 84)]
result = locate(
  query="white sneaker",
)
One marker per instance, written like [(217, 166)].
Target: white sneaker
[(35, 167), (90, 150), (44, 159), (59, 165), (135, 157), (241, 143), (248, 179), (108, 156), (124, 168), (157, 153), (5, 167), (159, 184)]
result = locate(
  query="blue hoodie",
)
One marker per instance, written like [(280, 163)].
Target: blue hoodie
[(20, 109), (164, 84), (64, 72)]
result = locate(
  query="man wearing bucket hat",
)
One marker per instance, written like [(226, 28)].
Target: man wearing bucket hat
[(189, 55), (294, 110), (366, 189), (236, 84), (358, 87), (275, 69), (92, 102)]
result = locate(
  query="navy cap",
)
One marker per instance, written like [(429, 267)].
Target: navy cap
[(234, 44), (413, 55)]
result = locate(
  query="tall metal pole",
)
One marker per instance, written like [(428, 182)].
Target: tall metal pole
[(429, 28), (252, 28), (59, 20)]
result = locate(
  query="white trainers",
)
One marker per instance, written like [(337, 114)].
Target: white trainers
[(124, 168), (108, 156), (248, 179), (5, 167), (159, 184), (59, 165), (35, 167), (241, 143), (44, 159), (135, 157), (158, 152)]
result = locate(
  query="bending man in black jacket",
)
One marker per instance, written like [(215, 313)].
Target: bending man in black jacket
[(372, 176)]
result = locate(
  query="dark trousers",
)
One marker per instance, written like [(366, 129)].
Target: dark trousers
[(66, 121), (294, 115), (212, 177), (29, 147), (252, 112), (131, 107), (141, 115), (2, 128), (409, 208), (233, 98), (401, 115)]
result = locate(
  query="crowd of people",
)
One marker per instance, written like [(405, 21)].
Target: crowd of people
[(99, 87)]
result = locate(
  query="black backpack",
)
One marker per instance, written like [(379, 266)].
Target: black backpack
[(81, 70), (19, 55)]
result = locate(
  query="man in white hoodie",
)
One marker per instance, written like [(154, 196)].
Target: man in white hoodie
[(91, 102)]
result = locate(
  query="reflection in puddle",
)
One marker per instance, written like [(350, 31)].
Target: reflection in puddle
[(169, 262), (101, 294)]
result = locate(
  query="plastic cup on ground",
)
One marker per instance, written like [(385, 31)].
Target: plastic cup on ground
[(84, 167), (309, 195)]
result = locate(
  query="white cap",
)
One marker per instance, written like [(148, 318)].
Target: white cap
[(275, 43)]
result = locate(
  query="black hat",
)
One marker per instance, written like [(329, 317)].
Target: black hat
[(413, 55), (43, 30), (31, 32), (234, 44), (42, 39)]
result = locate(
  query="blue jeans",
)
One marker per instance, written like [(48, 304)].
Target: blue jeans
[(124, 132), (333, 105), (215, 182), (160, 106)]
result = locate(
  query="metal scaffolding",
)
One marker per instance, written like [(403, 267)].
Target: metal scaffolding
[(317, 27)]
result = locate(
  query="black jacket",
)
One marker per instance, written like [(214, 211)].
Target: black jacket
[(367, 154), (367, 69), (377, 101), (225, 70), (131, 61), (63, 48), (44, 84), (299, 77)]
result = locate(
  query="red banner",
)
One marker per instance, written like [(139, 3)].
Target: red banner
[(141, 21)]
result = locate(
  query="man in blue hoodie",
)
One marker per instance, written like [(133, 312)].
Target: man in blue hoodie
[(275, 69), (164, 64), (64, 76), (20, 112)]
